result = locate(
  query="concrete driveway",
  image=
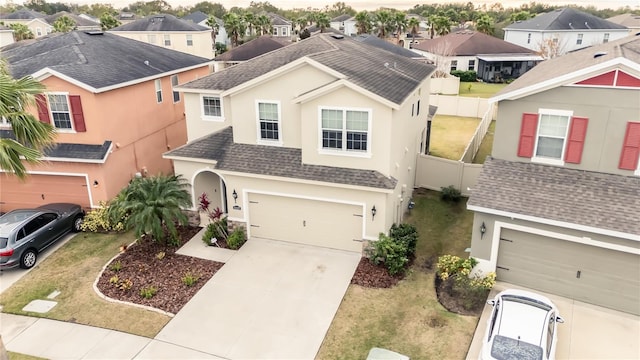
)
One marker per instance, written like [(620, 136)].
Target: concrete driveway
[(271, 300), (589, 331)]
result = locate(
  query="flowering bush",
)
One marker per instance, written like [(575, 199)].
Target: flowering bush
[(451, 265), (470, 291), (217, 228), (97, 220)]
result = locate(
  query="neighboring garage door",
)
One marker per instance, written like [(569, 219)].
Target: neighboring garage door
[(38, 190), (320, 223), (586, 273)]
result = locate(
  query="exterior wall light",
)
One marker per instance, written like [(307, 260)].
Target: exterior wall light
[(235, 196), (373, 212), (483, 229)]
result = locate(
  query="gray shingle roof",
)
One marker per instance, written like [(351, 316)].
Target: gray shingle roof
[(70, 150), (386, 74), (598, 200), (196, 17), (628, 47), (274, 161), (469, 43), (98, 61), (249, 50), (386, 45), (160, 22), (564, 19), (23, 14), (340, 18), (80, 21)]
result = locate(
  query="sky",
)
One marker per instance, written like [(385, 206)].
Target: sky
[(363, 4)]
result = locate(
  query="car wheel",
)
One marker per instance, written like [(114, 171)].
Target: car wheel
[(28, 259), (77, 224)]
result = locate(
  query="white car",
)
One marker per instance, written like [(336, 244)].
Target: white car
[(522, 326)]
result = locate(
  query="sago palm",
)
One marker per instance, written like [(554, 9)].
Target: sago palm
[(152, 205)]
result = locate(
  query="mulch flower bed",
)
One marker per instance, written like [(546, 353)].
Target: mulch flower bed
[(459, 303), (143, 265), (371, 275)]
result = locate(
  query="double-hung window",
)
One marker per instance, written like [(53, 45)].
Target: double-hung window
[(605, 39), (151, 38), (579, 41), (174, 83), (552, 133), (345, 129), (167, 40), (268, 121), (189, 40), (60, 111), (212, 108), (158, 84)]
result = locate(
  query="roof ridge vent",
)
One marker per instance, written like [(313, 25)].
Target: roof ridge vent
[(337, 36), (599, 53)]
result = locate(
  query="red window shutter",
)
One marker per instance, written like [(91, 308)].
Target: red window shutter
[(76, 111), (631, 147), (528, 135), (575, 141), (43, 111)]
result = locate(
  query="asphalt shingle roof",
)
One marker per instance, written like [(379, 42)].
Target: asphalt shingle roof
[(469, 43), (196, 17), (274, 161), (70, 150), (340, 18), (628, 47), (79, 20), (160, 22), (23, 14), (386, 45), (386, 74), (98, 60), (587, 198), (249, 50), (564, 19)]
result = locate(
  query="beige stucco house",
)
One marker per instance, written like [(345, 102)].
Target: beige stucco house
[(557, 206), (6, 36), (34, 20), (315, 142), (170, 32), (113, 103)]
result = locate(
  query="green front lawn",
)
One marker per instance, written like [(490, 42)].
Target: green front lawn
[(72, 269), (408, 317), (486, 146)]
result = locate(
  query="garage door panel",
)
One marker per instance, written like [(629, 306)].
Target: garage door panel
[(39, 189), (583, 272), (320, 223)]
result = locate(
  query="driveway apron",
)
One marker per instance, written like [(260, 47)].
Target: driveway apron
[(271, 300)]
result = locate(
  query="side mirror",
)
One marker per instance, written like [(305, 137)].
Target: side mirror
[(491, 302), (559, 320)]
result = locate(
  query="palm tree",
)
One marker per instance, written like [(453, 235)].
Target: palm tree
[(215, 27), (152, 205), (400, 24), (250, 21), (21, 32), (322, 21), (108, 21), (485, 24), (233, 25), (383, 23), (414, 27), (363, 22), (441, 25), (264, 24), (31, 136), (64, 24)]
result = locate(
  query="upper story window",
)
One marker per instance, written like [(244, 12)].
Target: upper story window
[(454, 65), (174, 83), (605, 39), (212, 108), (189, 40), (158, 84), (60, 111), (269, 121), (345, 129), (167, 40), (579, 40), (472, 65), (529, 38), (38, 31), (552, 137), (151, 38)]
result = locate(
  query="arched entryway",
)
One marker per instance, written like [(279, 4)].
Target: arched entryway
[(213, 185)]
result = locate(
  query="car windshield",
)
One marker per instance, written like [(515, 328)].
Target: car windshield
[(505, 348)]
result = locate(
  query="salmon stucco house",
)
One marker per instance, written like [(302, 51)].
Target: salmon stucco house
[(113, 103), (315, 142), (557, 206)]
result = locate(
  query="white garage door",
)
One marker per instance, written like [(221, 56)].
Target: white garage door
[(583, 272), (38, 190), (319, 223)]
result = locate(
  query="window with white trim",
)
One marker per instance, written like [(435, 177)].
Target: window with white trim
[(38, 31), (212, 108), (174, 83), (158, 84), (189, 40), (151, 38), (167, 40), (275, 31), (60, 111), (472, 65), (579, 40), (345, 130), (553, 126), (454, 65), (605, 39), (269, 121)]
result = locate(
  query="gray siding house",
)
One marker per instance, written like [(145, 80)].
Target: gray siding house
[(557, 205)]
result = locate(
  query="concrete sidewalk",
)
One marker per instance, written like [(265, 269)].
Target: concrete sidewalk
[(589, 331)]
